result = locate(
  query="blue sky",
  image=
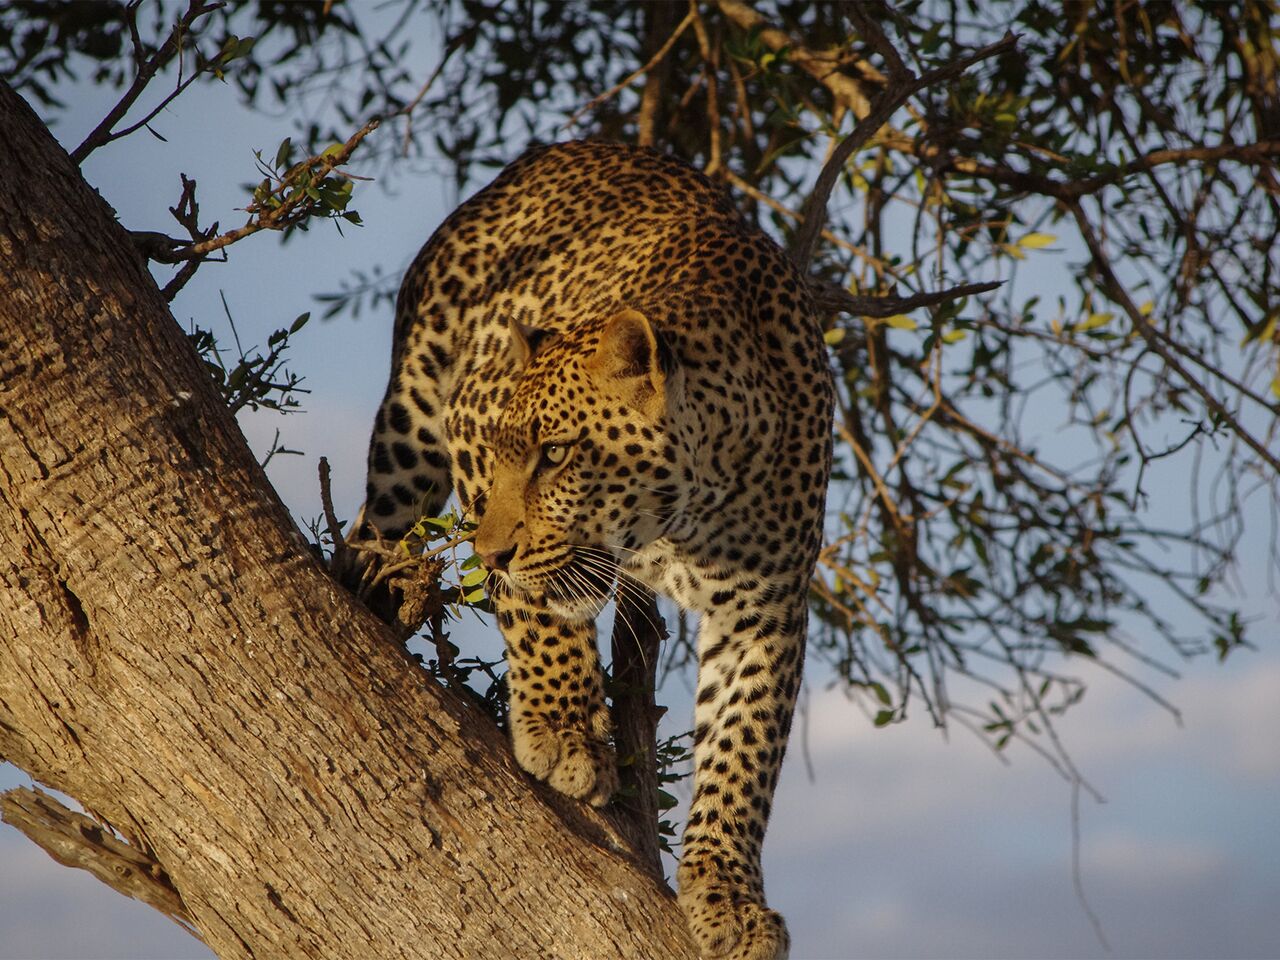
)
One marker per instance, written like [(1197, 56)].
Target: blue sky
[(906, 842)]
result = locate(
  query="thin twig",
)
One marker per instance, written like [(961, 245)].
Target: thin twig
[(341, 553), (834, 298), (634, 75), (1120, 296), (453, 46)]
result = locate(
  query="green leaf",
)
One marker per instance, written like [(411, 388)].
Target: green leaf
[(301, 322), (1096, 320), (475, 577), (900, 321), (233, 48), (475, 596), (833, 336), (881, 693), (284, 153)]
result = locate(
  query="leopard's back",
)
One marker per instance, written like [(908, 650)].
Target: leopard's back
[(564, 233)]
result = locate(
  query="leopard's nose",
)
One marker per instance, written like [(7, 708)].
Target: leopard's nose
[(498, 559)]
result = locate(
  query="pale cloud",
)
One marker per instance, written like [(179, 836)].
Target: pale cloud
[(1131, 858)]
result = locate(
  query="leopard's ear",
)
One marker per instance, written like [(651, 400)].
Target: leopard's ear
[(634, 359), (526, 341)]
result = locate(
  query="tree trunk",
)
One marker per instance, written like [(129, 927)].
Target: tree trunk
[(173, 656)]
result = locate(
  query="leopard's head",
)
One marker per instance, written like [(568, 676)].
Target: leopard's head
[(586, 469)]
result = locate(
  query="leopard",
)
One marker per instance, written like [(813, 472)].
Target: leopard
[(624, 382)]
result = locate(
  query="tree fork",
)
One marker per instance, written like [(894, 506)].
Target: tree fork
[(173, 656)]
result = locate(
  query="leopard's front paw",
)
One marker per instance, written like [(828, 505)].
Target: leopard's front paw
[(728, 924), (568, 760)]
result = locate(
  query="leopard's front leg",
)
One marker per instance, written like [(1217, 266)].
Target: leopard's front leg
[(560, 726), (748, 674)]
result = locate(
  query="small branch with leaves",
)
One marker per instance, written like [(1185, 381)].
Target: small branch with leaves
[(149, 64), (288, 197), (256, 380), (314, 187)]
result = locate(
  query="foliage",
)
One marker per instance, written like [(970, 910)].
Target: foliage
[(257, 380), (1048, 475), (675, 755)]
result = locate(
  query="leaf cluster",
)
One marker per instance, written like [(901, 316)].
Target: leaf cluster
[(255, 380)]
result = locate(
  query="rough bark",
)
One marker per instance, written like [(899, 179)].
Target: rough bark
[(173, 656)]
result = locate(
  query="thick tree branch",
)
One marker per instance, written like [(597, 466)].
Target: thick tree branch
[(856, 95), (825, 68), (830, 297), (1066, 189), (75, 840)]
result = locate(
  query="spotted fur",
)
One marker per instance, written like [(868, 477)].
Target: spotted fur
[(626, 383)]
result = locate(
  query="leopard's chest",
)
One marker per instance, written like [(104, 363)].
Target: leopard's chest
[(666, 569)]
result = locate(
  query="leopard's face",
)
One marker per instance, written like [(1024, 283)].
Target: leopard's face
[(585, 472)]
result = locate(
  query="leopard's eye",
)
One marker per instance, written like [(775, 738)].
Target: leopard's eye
[(554, 454)]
